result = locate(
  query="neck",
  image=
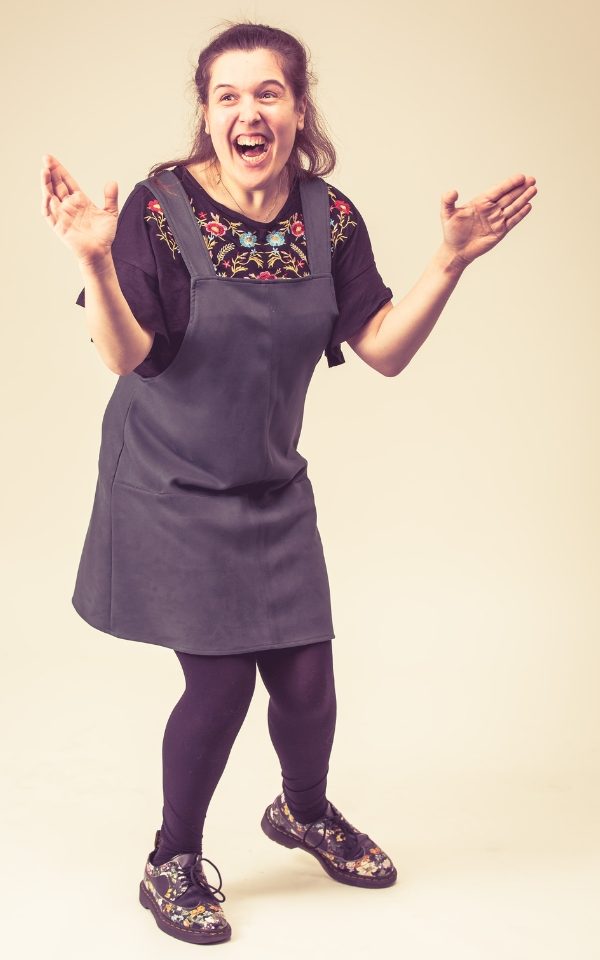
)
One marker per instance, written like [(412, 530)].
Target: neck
[(259, 204)]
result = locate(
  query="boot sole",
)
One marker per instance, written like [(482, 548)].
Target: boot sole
[(175, 930), (279, 836)]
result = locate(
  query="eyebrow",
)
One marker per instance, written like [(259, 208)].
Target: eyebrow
[(260, 84)]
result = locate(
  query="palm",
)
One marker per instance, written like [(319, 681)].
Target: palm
[(85, 228), (475, 228)]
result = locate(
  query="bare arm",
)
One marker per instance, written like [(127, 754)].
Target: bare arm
[(392, 337), (89, 230), (119, 338)]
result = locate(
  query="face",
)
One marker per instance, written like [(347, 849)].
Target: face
[(248, 95)]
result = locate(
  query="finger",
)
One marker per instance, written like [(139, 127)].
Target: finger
[(512, 222), (526, 190), (505, 186), (69, 180), (447, 203), (59, 189), (62, 181), (509, 197), (48, 195), (45, 182), (47, 190), (519, 203), (61, 212), (111, 193), (53, 210)]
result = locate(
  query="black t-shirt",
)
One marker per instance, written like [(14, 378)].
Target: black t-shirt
[(156, 282)]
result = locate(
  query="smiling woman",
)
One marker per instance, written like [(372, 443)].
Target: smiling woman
[(238, 266), (254, 80), (246, 266), (266, 120)]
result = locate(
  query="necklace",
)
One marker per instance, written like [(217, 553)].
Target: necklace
[(219, 180)]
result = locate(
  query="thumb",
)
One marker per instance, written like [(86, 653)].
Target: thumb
[(111, 192), (448, 200)]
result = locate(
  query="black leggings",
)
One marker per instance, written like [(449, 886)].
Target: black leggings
[(202, 728)]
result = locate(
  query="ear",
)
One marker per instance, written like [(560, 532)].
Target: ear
[(301, 112)]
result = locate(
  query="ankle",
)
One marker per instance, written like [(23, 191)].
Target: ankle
[(310, 813), (163, 853)]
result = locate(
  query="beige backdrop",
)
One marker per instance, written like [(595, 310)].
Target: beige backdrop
[(457, 502)]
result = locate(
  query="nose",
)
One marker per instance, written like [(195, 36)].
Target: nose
[(249, 112)]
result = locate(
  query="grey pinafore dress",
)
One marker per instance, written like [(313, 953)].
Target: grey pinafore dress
[(203, 533)]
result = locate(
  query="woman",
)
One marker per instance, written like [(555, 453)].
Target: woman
[(213, 294)]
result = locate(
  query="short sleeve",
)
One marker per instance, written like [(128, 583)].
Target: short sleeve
[(359, 288), (135, 264)]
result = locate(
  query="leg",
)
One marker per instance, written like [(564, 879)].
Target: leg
[(198, 738), (301, 718)]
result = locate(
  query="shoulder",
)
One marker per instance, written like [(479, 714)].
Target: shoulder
[(136, 200), (141, 204), (339, 201), (136, 206), (142, 225), (150, 213), (344, 218), (142, 230), (131, 242)]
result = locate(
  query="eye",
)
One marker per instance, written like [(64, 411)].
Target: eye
[(265, 94)]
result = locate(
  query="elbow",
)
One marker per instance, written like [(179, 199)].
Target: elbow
[(120, 369), (115, 366), (125, 365), (393, 368), (388, 371)]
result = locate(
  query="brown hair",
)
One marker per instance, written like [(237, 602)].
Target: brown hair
[(312, 142)]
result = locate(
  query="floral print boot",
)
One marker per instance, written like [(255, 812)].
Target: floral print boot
[(345, 853), (181, 899)]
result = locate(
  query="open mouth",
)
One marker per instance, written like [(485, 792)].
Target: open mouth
[(252, 154)]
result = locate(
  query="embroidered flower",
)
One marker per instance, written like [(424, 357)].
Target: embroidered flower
[(342, 210), (248, 239), (275, 238), (342, 206), (236, 251), (216, 228)]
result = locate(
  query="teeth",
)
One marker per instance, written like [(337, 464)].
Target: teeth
[(250, 141)]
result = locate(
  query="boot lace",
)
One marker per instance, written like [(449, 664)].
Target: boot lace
[(353, 849), (201, 881)]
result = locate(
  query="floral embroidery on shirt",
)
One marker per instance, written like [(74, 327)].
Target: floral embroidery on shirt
[(281, 255)]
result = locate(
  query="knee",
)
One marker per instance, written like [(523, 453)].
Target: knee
[(302, 699)]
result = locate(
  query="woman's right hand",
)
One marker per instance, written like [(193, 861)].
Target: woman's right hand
[(86, 229)]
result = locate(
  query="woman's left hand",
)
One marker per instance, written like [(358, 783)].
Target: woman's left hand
[(475, 228)]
